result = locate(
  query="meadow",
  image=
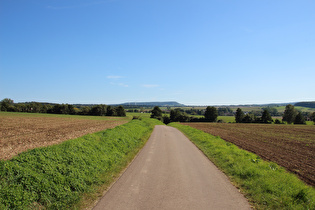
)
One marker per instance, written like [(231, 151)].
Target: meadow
[(71, 174), (291, 146), (265, 184)]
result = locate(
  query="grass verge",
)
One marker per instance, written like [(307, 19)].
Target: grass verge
[(265, 184), (56, 177)]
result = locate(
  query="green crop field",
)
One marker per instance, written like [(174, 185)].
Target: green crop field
[(227, 119)]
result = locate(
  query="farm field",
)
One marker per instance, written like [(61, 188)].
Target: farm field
[(291, 146), (22, 131)]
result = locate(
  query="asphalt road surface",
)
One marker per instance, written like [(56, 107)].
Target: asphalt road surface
[(171, 173)]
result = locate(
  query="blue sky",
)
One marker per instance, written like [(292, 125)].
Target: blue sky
[(196, 52)]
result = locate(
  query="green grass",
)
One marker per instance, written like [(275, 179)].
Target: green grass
[(265, 184), (299, 108), (56, 177), (227, 119), (137, 114)]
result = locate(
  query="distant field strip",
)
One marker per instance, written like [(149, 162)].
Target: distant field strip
[(291, 146), (20, 132)]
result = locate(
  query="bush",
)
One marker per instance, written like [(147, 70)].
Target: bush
[(299, 119)]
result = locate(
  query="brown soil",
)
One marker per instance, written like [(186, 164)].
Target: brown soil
[(291, 146), (20, 133)]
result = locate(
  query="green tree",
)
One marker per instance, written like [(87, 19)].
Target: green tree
[(177, 115), (156, 113), (85, 110), (211, 114), (225, 111), (166, 119), (299, 119), (289, 114), (266, 117), (249, 118), (120, 111), (99, 110), (272, 110), (239, 115), (71, 109), (110, 111), (7, 105)]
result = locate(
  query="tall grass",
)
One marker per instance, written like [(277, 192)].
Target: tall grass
[(56, 177), (265, 184)]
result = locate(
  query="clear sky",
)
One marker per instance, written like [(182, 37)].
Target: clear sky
[(195, 52)]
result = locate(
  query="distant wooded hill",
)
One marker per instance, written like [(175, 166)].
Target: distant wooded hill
[(309, 104), (167, 103)]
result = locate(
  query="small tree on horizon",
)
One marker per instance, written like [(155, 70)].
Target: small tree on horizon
[(6, 104), (289, 114), (266, 117), (299, 119), (239, 115), (211, 114), (156, 113), (176, 115), (120, 111)]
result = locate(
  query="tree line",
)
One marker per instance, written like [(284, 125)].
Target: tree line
[(291, 115), (8, 105), (177, 115)]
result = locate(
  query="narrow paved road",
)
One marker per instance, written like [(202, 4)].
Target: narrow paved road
[(171, 173)]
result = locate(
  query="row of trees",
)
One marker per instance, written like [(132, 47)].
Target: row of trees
[(177, 115), (211, 114), (35, 107), (290, 115), (240, 117)]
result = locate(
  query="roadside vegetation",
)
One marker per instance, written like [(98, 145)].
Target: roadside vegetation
[(71, 173), (291, 146), (264, 183)]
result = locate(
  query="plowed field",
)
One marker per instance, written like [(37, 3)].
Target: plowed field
[(291, 146), (20, 132)]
